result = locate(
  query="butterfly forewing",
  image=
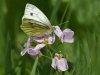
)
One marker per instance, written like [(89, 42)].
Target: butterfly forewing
[(34, 22), (36, 14)]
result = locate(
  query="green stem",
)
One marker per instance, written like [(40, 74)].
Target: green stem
[(34, 66), (64, 13)]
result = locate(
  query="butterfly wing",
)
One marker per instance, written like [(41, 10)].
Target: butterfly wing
[(32, 12), (34, 22), (35, 28)]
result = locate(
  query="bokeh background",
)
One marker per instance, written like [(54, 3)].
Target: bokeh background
[(83, 18)]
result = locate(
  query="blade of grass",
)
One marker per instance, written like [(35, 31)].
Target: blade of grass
[(65, 11), (8, 63), (67, 5), (55, 10)]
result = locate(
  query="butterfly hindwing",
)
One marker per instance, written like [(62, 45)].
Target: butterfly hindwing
[(34, 29)]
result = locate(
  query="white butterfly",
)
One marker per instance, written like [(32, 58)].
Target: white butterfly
[(34, 22)]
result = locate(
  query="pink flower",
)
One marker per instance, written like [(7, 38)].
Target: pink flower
[(27, 44), (42, 40), (65, 36), (59, 63), (33, 51), (47, 39)]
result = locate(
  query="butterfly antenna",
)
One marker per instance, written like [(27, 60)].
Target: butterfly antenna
[(63, 22)]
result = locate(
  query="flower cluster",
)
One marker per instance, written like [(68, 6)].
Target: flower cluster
[(58, 62)]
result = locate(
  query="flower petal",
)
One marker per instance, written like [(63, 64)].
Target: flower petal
[(36, 50), (39, 39), (33, 52), (51, 39), (62, 64), (23, 52), (53, 63), (38, 47), (58, 31), (67, 36), (27, 44)]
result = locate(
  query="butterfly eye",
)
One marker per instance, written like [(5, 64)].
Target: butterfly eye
[(31, 14)]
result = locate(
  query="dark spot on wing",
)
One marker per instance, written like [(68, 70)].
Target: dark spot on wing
[(31, 14)]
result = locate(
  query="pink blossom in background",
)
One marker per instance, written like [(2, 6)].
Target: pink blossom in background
[(59, 63)]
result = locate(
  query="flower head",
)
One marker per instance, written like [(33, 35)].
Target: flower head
[(33, 51), (65, 36), (42, 40), (47, 39), (59, 63)]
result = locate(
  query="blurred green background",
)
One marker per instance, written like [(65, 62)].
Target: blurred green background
[(83, 54)]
